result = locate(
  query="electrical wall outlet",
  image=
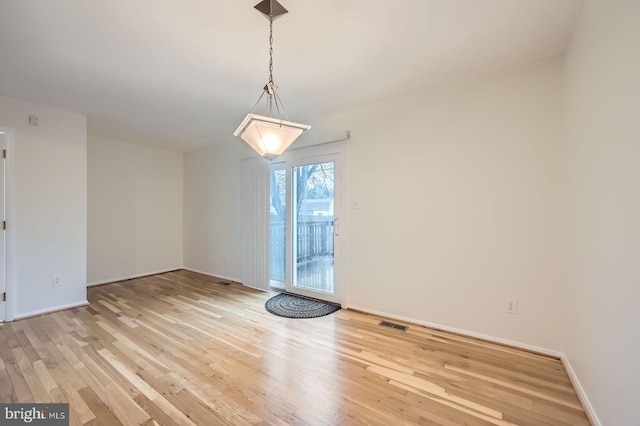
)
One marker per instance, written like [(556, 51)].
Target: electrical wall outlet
[(56, 281), (511, 306)]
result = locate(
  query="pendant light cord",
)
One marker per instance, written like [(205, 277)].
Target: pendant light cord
[(271, 51), (270, 88), (273, 99)]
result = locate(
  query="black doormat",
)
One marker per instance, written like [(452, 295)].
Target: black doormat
[(289, 306)]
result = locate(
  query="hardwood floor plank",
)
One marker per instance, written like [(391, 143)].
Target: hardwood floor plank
[(7, 392), (123, 406), (154, 411), (29, 375), (45, 377), (179, 349), (103, 415)]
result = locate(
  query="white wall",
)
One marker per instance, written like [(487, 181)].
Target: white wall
[(49, 208), (135, 210), (212, 228), (603, 123), (461, 205)]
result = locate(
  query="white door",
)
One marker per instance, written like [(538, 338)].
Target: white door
[(3, 281), (308, 246)]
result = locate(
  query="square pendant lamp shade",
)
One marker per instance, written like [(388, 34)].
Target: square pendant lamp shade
[(268, 135)]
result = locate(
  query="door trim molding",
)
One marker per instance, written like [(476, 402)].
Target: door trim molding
[(9, 197)]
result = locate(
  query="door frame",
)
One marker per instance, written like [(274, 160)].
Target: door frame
[(337, 151), (9, 217)]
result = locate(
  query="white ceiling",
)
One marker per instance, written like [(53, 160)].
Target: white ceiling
[(183, 74)]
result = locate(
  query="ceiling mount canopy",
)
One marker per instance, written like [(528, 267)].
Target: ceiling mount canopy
[(269, 135), (271, 9)]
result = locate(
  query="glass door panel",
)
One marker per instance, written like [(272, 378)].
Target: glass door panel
[(312, 205)]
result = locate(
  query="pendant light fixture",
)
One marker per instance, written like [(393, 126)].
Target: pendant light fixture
[(269, 135)]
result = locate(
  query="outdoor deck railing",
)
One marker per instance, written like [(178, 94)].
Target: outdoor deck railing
[(314, 241)]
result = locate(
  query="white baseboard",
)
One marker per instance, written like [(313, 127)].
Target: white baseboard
[(486, 337), (51, 309), (582, 395), (130, 277), (236, 280)]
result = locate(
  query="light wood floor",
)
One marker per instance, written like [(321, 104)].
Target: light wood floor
[(179, 348)]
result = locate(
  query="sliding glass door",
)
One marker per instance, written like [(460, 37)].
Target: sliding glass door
[(305, 220)]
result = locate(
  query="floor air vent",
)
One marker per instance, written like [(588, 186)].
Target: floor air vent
[(224, 283), (393, 325)]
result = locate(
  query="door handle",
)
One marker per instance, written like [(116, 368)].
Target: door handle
[(335, 227)]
